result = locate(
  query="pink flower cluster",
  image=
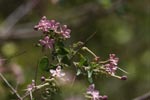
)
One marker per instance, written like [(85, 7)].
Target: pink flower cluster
[(46, 25), (112, 66), (95, 93), (47, 42)]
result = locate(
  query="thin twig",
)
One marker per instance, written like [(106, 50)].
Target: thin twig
[(34, 90), (10, 86), (74, 78), (15, 16), (84, 43), (31, 97), (88, 50), (36, 73), (17, 54), (143, 97), (25, 95)]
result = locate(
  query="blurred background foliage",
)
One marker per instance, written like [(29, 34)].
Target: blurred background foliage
[(122, 27)]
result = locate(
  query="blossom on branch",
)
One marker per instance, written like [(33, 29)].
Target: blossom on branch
[(111, 67), (113, 59), (94, 93), (31, 86), (65, 31), (47, 42), (43, 25), (46, 25), (57, 73)]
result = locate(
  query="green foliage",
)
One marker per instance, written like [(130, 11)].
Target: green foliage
[(44, 63), (90, 79), (83, 61), (62, 51)]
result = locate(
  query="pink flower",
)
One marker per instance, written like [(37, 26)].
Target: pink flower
[(65, 31), (111, 67), (113, 59), (43, 25), (57, 73), (54, 25), (31, 86), (94, 93), (47, 25), (47, 42)]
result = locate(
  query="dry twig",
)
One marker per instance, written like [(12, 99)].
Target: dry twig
[(143, 97)]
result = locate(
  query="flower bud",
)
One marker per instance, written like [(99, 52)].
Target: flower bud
[(124, 78), (104, 97), (42, 78), (96, 59)]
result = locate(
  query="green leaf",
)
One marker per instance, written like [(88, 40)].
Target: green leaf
[(75, 45), (90, 74), (83, 61), (90, 79), (62, 51), (52, 66), (44, 63), (94, 65), (66, 60), (76, 64), (78, 72), (60, 44)]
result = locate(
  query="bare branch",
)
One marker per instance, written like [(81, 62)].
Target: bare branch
[(85, 12), (143, 97), (21, 32), (10, 86), (11, 20)]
